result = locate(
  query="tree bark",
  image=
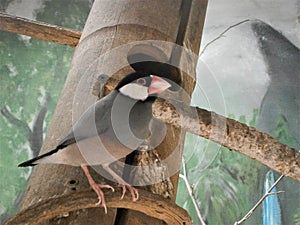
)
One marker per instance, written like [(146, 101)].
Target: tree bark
[(233, 135), (148, 204), (227, 132), (39, 30), (112, 25)]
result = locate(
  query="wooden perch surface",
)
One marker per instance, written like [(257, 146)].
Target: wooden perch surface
[(39, 30), (233, 135), (227, 132), (150, 204)]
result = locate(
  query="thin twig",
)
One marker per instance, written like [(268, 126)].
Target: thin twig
[(190, 190), (260, 201), (276, 192), (220, 35)]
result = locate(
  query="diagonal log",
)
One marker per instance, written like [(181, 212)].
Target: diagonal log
[(40, 30), (229, 133), (233, 135)]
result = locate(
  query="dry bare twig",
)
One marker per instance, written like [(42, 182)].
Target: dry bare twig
[(220, 35), (260, 201), (184, 176)]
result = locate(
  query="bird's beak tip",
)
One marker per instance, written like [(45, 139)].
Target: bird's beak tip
[(158, 85)]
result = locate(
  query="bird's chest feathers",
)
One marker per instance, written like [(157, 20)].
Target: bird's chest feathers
[(130, 116)]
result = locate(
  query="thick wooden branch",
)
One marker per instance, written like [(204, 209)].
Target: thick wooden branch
[(150, 204), (227, 132), (39, 30), (121, 25), (233, 135)]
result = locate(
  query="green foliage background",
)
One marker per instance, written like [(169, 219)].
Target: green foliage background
[(223, 184), (28, 69)]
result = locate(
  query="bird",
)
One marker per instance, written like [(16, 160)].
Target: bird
[(108, 130)]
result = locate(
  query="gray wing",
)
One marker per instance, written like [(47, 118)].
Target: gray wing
[(94, 121)]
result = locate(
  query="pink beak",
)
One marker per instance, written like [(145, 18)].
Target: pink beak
[(158, 85)]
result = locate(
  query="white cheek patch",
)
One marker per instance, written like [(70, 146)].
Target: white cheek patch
[(135, 91)]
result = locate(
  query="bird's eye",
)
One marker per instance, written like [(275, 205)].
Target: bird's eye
[(141, 81)]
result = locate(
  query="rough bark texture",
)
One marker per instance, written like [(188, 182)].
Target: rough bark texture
[(227, 132), (233, 135), (149, 204), (39, 30), (110, 25)]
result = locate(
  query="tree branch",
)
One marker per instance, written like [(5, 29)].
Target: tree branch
[(233, 135), (260, 201), (12, 119), (227, 132), (148, 203), (184, 176), (220, 35), (39, 30)]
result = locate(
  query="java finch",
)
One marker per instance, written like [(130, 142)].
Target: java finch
[(108, 130)]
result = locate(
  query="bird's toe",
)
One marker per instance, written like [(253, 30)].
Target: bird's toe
[(133, 191), (101, 199)]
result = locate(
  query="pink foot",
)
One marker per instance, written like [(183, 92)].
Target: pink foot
[(134, 192), (97, 188)]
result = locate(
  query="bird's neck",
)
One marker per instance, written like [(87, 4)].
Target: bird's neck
[(137, 114)]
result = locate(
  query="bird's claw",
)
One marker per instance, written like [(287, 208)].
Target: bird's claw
[(98, 189), (107, 187), (134, 192)]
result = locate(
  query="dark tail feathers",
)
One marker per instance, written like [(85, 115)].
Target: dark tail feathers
[(31, 161)]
